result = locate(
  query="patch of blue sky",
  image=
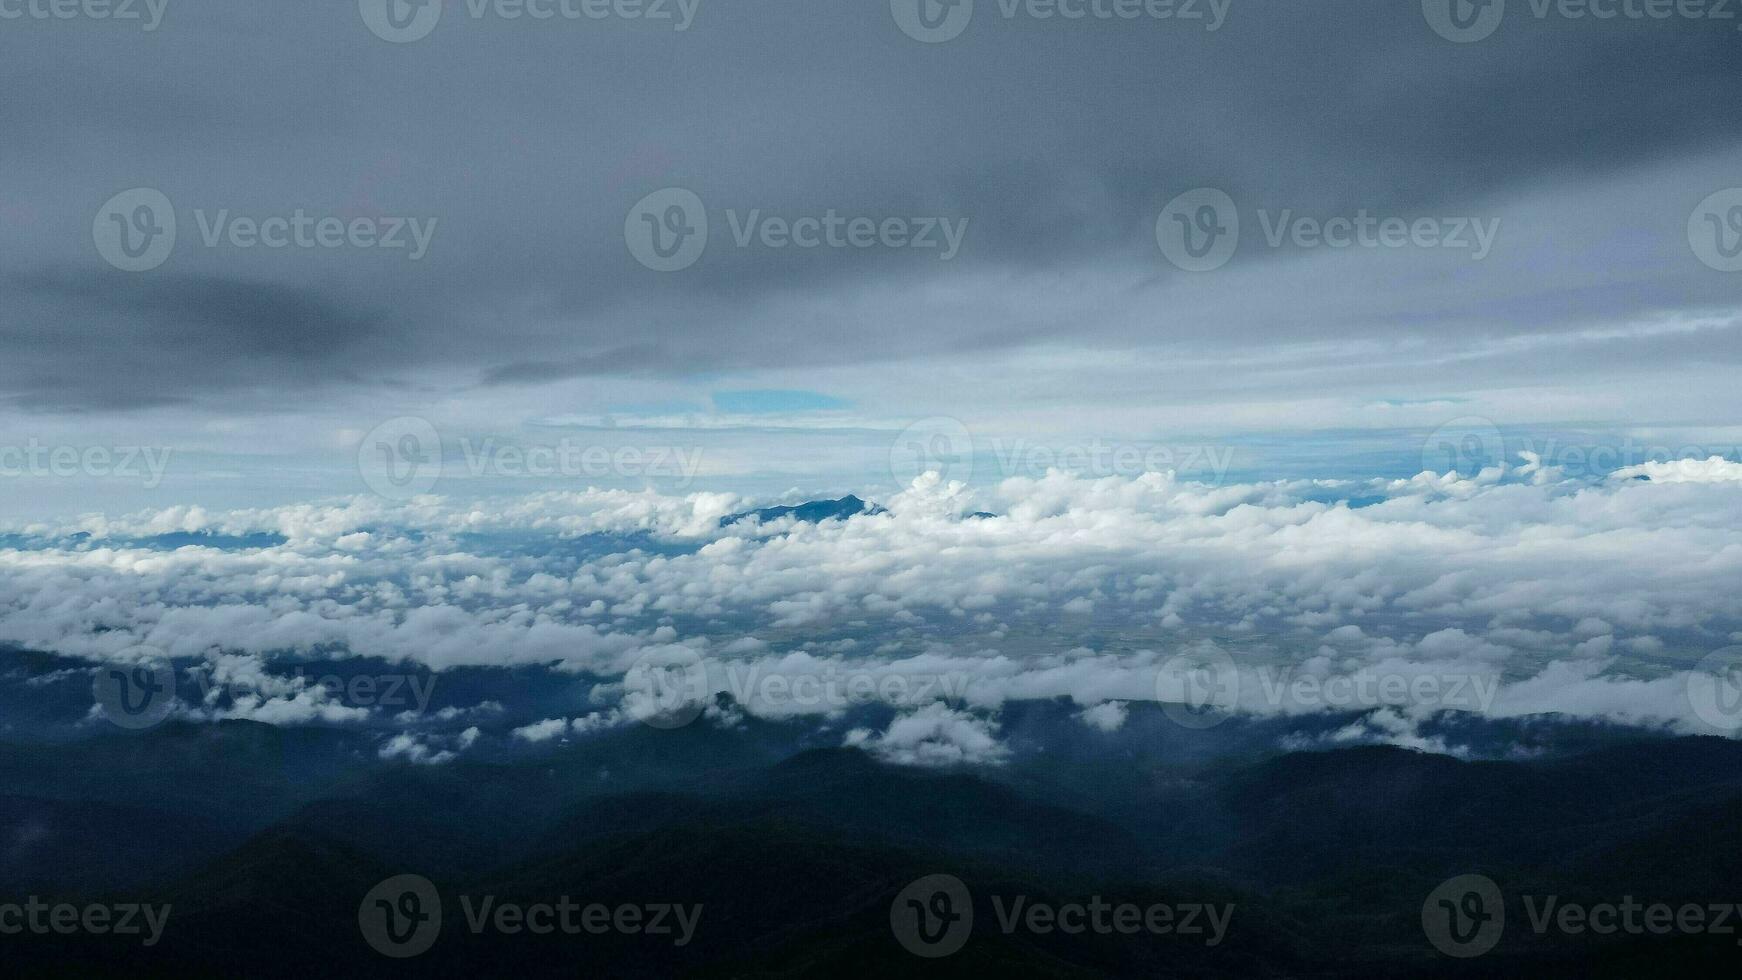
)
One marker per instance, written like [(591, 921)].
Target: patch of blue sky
[(775, 402)]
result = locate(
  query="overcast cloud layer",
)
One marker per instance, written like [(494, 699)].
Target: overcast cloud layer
[(1571, 153)]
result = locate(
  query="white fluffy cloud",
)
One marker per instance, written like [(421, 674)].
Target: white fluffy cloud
[(1591, 598), (1714, 469), (551, 728), (1108, 716), (934, 735), (542, 731), (427, 750)]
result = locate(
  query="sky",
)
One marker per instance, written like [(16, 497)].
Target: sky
[(1018, 180), (1365, 340)]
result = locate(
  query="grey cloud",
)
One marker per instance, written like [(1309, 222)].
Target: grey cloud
[(167, 340), (1059, 141)]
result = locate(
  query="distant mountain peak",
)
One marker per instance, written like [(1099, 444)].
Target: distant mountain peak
[(811, 512)]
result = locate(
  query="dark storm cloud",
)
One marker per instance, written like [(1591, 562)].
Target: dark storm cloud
[(84, 338), (1057, 141), (624, 360)]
